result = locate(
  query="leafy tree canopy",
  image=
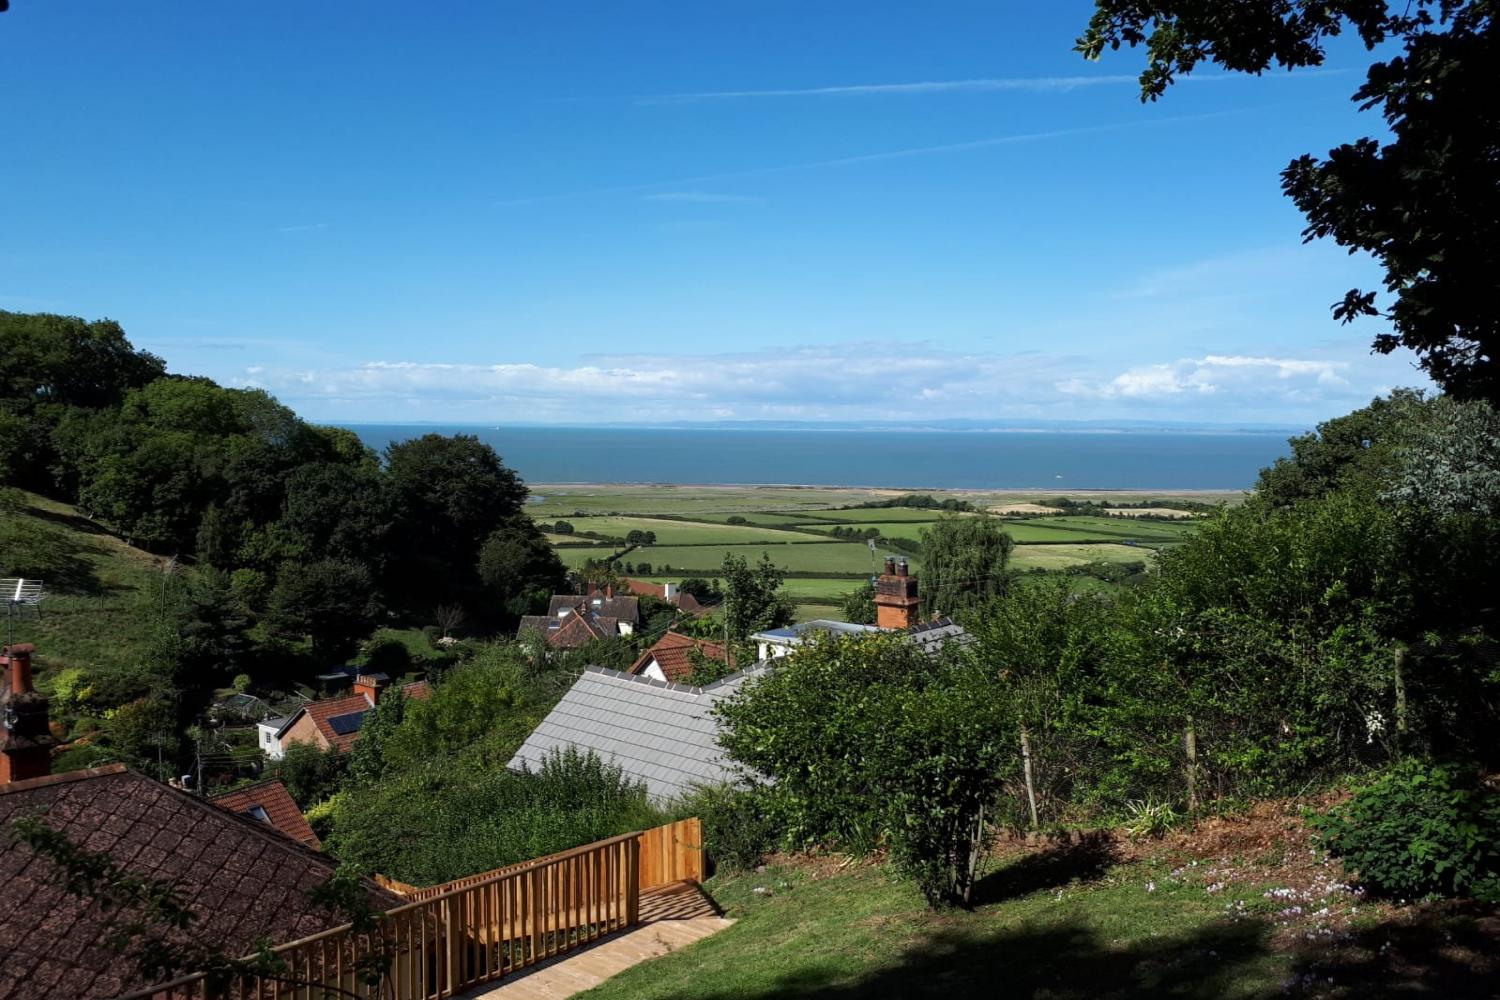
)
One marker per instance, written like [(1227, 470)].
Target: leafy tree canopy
[(965, 562), (1426, 204), (752, 597)]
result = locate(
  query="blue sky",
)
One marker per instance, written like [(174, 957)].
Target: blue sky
[(571, 211)]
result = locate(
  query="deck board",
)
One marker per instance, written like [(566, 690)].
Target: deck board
[(672, 917)]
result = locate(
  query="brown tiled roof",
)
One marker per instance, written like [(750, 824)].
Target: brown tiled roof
[(272, 798), (323, 712), (671, 653), (579, 629), (242, 880), (625, 608), (644, 588)]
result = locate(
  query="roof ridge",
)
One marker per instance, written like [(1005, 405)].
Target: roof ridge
[(60, 779), (245, 788)]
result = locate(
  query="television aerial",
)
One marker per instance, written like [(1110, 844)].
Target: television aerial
[(19, 593)]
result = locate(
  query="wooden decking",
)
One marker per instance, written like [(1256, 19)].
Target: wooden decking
[(672, 917)]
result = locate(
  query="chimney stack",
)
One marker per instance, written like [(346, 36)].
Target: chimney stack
[(25, 741), (896, 600), (370, 685)]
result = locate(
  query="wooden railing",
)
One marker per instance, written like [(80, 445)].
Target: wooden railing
[(476, 930)]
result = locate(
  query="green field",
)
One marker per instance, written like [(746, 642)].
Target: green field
[(1063, 556), (786, 523), (672, 532), (799, 557)]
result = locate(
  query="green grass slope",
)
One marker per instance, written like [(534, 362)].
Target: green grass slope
[(103, 596)]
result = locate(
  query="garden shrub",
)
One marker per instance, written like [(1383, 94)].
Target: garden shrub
[(738, 829), (1420, 830)]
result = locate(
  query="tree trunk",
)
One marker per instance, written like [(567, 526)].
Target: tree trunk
[(1026, 771), (1399, 668), (1190, 744)]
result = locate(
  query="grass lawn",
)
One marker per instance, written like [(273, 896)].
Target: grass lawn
[(801, 557), (807, 612), (103, 596), (862, 934), (1070, 923)]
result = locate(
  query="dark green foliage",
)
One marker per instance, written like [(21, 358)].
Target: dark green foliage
[(310, 773), (920, 501), (518, 567), (703, 590), (965, 562), (738, 830), (638, 537), (450, 494), (859, 605), (1357, 449), (252, 588), (387, 656), (441, 821), (752, 597), (736, 519), (562, 528), (1420, 829), (869, 741), (331, 601), (338, 512), (1423, 204), (213, 628)]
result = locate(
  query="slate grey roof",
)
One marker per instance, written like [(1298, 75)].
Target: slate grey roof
[(934, 635), (660, 733), (626, 607)]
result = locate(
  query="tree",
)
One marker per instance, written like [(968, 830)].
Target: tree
[(339, 512), (752, 597), (1355, 449), (867, 740), (859, 605), (450, 494), (1425, 205), (213, 628), (562, 528), (965, 562), (519, 567), (331, 601)]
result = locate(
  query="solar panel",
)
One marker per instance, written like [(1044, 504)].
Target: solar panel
[(258, 812), (343, 725)]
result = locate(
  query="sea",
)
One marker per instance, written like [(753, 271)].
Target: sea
[(1092, 459)]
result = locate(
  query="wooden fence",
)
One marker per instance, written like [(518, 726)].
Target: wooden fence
[(474, 931)]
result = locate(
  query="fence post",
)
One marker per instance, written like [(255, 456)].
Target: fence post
[(1026, 770), (632, 881), (453, 926), (1190, 744)]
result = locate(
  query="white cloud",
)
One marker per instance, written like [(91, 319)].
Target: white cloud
[(852, 381), (1216, 374)]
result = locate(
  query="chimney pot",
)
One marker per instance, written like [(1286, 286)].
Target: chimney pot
[(890, 565), (901, 568), (18, 659)]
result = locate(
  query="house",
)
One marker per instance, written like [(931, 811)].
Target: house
[(897, 609), (657, 732), (573, 621), (668, 592), (335, 722), (269, 802), (671, 659), (244, 881)]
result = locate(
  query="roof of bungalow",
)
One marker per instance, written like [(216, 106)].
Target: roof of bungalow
[(244, 881), (338, 719), (659, 733), (673, 654)]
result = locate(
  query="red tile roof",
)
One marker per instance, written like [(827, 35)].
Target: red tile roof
[(671, 653), (272, 798), (242, 880), (323, 712)]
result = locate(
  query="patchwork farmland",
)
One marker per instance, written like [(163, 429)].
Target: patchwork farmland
[(666, 533)]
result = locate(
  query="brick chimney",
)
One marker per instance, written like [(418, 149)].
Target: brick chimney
[(896, 600), (370, 685), (25, 741)]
